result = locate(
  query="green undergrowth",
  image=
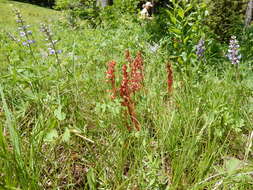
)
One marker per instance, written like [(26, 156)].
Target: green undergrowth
[(59, 128)]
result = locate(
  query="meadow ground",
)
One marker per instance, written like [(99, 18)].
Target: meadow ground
[(60, 129)]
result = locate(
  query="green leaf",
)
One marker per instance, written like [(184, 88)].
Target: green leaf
[(184, 56), (172, 17), (91, 179), (186, 39), (232, 165), (52, 135), (66, 135), (181, 12), (175, 30), (188, 8), (59, 114)]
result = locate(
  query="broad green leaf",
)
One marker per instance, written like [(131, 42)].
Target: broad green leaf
[(175, 30), (184, 56), (172, 17), (181, 12), (59, 114), (52, 135), (66, 135), (232, 165), (186, 39)]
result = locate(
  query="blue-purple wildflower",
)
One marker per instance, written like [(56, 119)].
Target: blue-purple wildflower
[(200, 48), (23, 32), (233, 52), (52, 50)]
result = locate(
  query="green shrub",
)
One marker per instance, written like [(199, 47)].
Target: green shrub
[(84, 9), (126, 6), (225, 18)]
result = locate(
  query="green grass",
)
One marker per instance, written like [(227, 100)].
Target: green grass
[(33, 14), (59, 129)]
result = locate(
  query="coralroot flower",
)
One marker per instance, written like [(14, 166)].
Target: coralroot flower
[(124, 87), (170, 78), (130, 83), (136, 73), (110, 76), (128, 56), (233, 51), (125, 93)]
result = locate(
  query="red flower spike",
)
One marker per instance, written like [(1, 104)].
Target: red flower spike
[(110, 75), (137, 73), (125, 93), (124, 87), (170, 78), (128, 56)]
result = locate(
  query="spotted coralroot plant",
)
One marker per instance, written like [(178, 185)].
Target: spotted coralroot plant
[(169, 78), (136, 72), (131, 82), (110, 78), (125, 93)]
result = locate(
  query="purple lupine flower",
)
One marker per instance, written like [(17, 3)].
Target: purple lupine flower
[(26, 34), (233, 52), (59, 51), (50, 42), (25, 43), (22, 34), (30, 41), (51, 51), (200, 48)]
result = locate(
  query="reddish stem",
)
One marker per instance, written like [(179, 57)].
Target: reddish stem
[(170, 78)]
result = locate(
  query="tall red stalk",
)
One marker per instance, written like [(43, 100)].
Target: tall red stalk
[(125, 93), (136, 73), (110, 75), (170, 78), (128, 56), (131, 82)]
